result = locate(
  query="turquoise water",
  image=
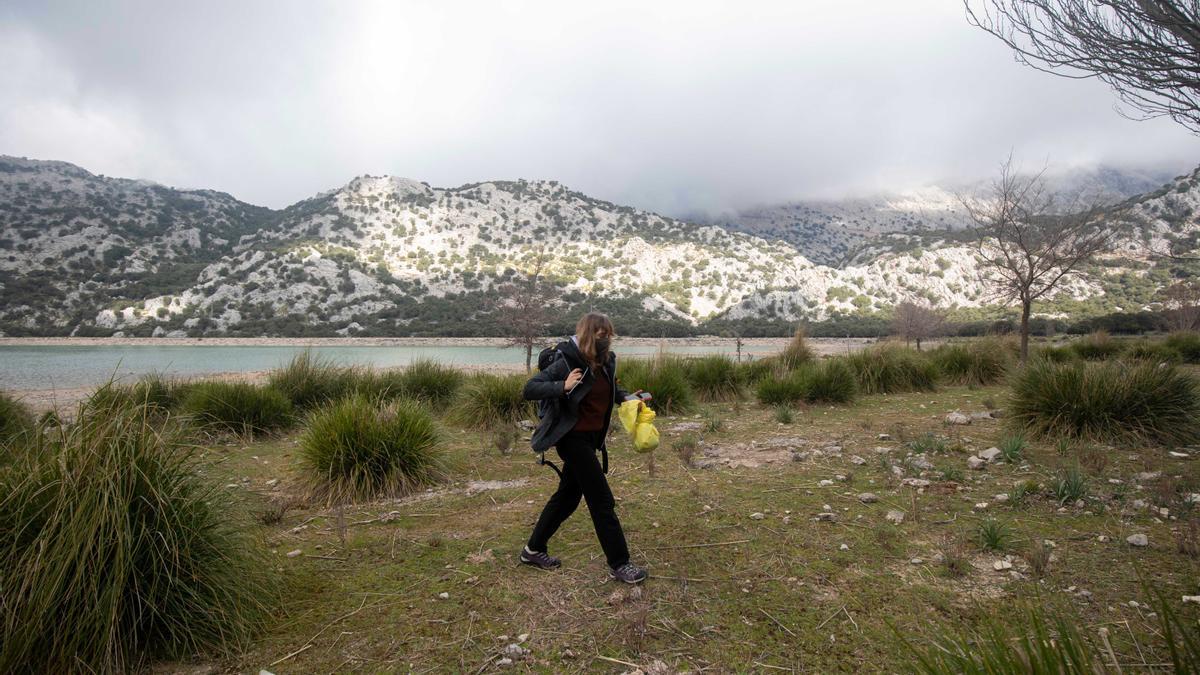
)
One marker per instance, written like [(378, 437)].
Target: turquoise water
[(70, 366)]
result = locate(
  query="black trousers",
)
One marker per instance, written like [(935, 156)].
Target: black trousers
[(583, 477)]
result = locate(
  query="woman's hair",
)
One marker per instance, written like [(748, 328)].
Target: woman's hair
[(585, 333)]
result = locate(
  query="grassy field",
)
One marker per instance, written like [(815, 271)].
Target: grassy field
[(745, 573)]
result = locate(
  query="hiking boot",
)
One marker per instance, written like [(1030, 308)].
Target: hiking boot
[(540, 559), (629, 573)]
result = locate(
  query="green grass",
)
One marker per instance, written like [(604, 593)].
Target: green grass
[(237, 407), (714, 378), (828, 381), (160, 393), (797, 352), (357, 448), (15, 419), (432, 382), (665, 377), (994, 535), (1097, 347), (309, 380), (115, 550), (1186, 344), (1110, 401), (928, 443), (1070, 485), (975, 363), (890, 369), (487, 401), (1012, 448)]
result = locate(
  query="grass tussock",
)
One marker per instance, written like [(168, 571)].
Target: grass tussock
[(797, 353), (432, 382), (237, 407), (487, 401), (890, 369), (114, 550), (1112, 401), (157, 392), (665, 377), (753, 371), (1186, 344), (978, 363), (828, 381), (1098, 346), (714, 378), (357, 448), (16, 421), (309, 380)]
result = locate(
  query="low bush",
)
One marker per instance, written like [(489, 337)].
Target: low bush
[(432, 382), (890, 369), (1156, 352), (752, 372), (486, 401), (358, 448), (1110, 401), (115, 550), (237, 406)]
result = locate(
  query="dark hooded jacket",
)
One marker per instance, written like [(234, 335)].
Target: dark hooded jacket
[(562, 410)]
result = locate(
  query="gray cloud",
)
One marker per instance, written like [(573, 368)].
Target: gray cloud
[(672, 106)]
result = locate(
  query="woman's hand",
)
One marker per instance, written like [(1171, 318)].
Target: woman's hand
[(572, 379)]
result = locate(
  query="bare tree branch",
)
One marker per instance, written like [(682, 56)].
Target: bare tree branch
[(1148, 51)]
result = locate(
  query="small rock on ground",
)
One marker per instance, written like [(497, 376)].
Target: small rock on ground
[(1138, 540), (896, 517), (957, 418)]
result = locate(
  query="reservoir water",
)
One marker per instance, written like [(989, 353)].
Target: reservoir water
[(67, 366)]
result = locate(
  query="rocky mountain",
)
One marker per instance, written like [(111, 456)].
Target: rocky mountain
[(838, 232), (82, 254)]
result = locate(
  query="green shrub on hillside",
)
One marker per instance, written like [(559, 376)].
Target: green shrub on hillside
[(890, 369)]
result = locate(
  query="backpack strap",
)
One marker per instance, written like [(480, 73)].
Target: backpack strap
[(543, 461)]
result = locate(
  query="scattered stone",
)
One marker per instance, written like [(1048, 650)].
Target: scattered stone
[(868, 498), (1001, 565), (1191, 599), (884, 437), (1179, 455), (976, 463), (832, 449), (957, 418), (1115, 481), (827, 517), (444, 595), (981, 505), (1193, 498), (756, 516), (1049, 543), (1000, 499), (843, 547), (504, 662), (1138, 504), (979, 416), (1148, 475), (915, 482), (1103, 539), (880, 450), (295, 554), (991, 454), (273, 482), (857, 461), (787, 520), (515, 650), (921, 462), (526, 425), (897, 471), (896, 517), (840, 478), (916, 561), (1138, 540), (825, 482), (685, 426)]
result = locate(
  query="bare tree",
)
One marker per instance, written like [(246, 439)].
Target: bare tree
[(524, 310), (915, 322), (1030, 239), (1182, 300), (1148, 51)]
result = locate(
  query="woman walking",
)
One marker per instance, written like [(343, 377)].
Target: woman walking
[(578, 390)]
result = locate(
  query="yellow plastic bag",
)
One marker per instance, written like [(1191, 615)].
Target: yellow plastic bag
[(638, 420)]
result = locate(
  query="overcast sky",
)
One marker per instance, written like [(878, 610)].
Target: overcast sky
[(671, 106)]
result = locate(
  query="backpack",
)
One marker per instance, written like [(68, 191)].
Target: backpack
[(546, 358)]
